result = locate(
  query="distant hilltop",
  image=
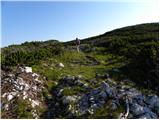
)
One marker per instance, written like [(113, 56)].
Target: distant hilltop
[(135, 29)]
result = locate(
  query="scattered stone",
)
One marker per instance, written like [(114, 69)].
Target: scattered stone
[(144, 116), (103, 94), (78, 77), (4, 95), (10, 97), (68, 99), (116, 70), (114, 106), (60, 65), (25, 97), (60, 92), (153, 101), (6, 107), (107, 89), (27, 86), (111, 82), (21, 84), (93, 81), (130, 116), (35, 103), (96, 97), (90, 111), (35, 75), (20, 69), (137, 109), (34, 113), (28, 69)]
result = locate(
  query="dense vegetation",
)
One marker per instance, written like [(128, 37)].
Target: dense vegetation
[(138, 45), (30, 53)]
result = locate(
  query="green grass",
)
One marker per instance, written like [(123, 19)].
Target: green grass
[(67, 91), (24, 109), (105, 111), (49, 69)]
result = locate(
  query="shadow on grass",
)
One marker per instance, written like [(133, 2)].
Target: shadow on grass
[(132, 73)]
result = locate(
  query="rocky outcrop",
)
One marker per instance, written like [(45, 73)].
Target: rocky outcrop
[(135, 104), (73, 81), (74, 98), (96, 99), (22, 85)]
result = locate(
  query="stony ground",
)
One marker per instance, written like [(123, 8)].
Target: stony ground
[(21, 93), (72, 97)]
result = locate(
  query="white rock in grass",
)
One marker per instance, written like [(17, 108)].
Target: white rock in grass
[(6, 107), (24, 93), (34, 103), (25, 97), (68, 99), (10, 97), (34, 87), (35, 75), (60, 65), (20, 69), (28, 69), (14, 93), (4, 95), (34, 113)]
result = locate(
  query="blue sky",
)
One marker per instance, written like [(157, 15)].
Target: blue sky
[(30, 21)]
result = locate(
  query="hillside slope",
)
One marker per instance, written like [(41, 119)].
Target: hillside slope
[(138, 44), (109, 70)]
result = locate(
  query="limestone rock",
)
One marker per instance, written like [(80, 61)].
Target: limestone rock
[(60, 65), (68, 99), (22, 85), (35, 103), (10, 97), (153, 102), (28, 69)]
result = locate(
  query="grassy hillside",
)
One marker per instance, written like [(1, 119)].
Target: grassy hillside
[(133, 50), (129, 56)]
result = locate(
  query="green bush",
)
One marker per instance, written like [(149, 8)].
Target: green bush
[(30, 57)]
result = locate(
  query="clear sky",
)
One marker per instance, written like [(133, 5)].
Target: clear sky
[(29, 21)]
